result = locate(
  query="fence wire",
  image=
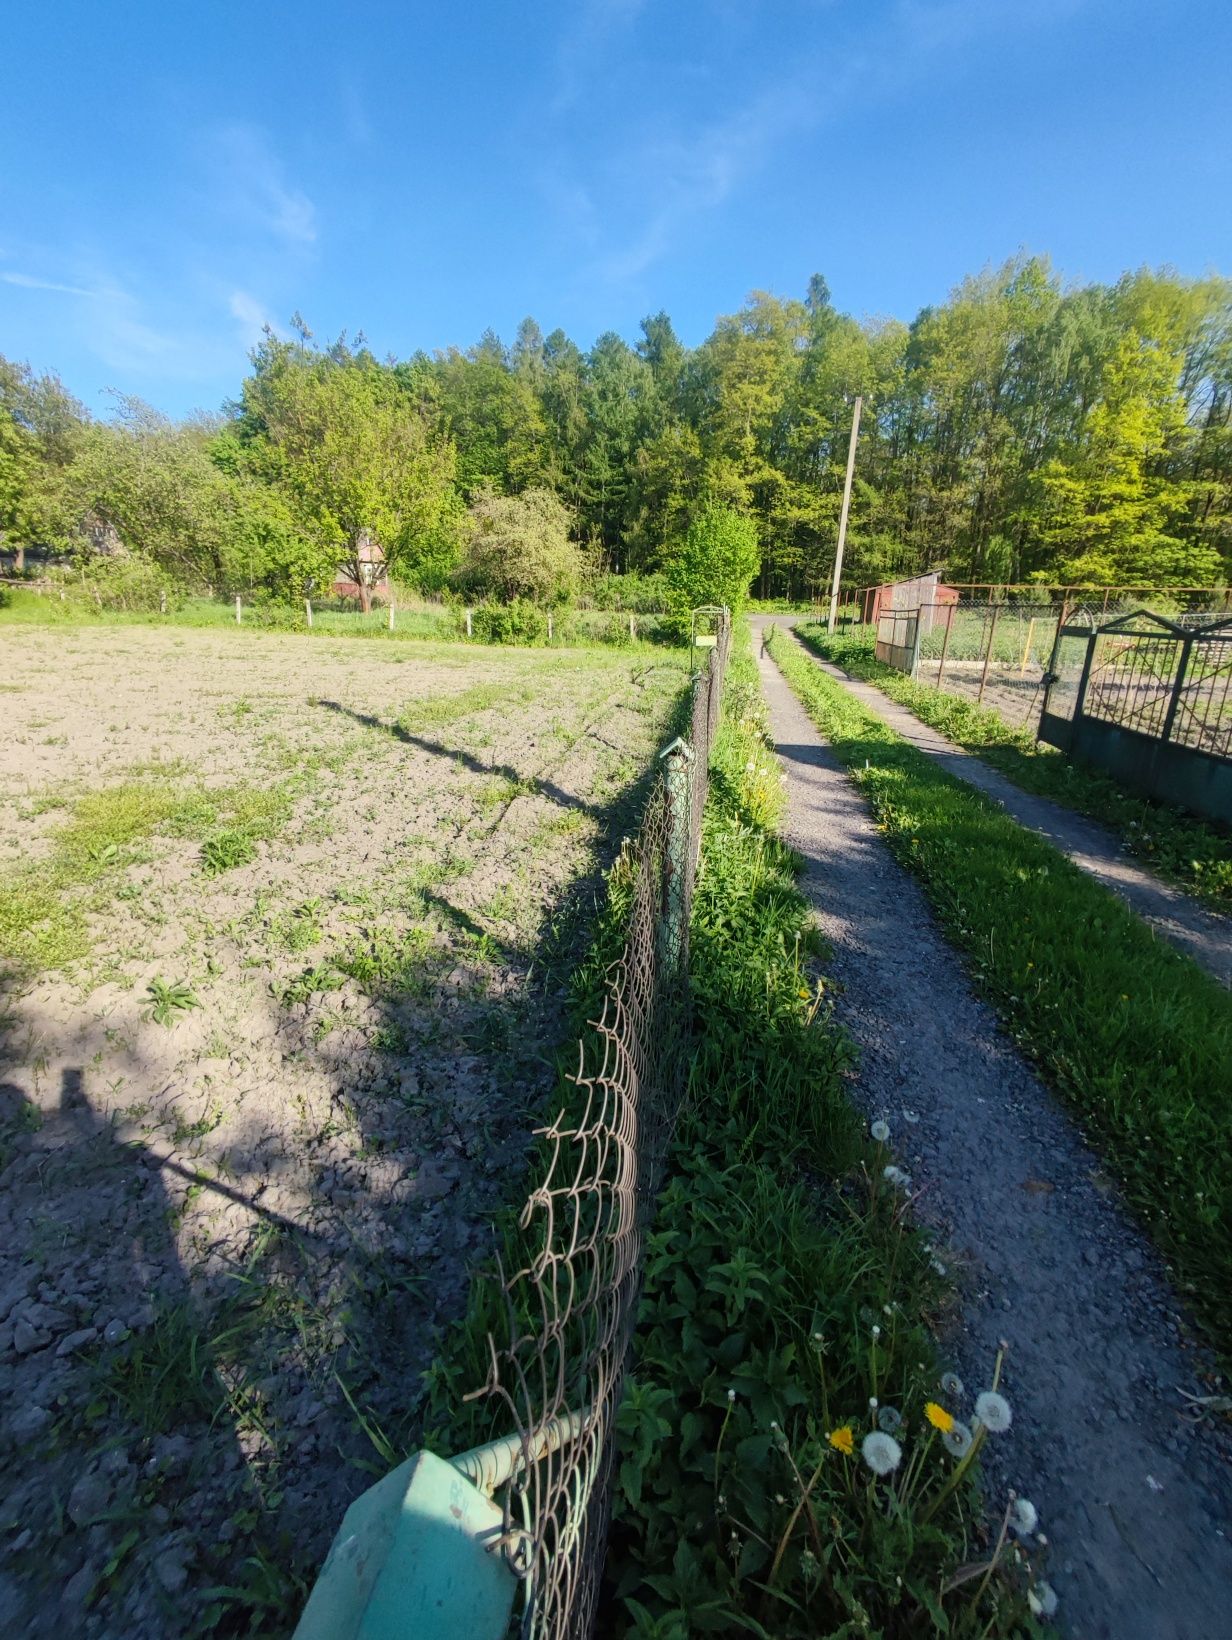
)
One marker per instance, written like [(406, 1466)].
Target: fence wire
[(571, 1308)]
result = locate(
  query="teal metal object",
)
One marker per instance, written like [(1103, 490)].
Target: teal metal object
[(416, 1558), (423, 1554)]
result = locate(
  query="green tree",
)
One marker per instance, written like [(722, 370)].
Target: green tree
[(357, 460), (518, 546), (716, 561), (1110, 510)]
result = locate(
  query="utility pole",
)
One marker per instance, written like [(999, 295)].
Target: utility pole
[(842, 522)]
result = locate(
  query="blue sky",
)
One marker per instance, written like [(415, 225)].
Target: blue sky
[(172, 175)]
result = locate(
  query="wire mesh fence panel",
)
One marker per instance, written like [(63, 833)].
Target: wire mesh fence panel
[(994, 654), (556, 1375)]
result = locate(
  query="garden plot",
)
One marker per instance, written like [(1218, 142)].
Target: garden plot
[(284, 923)]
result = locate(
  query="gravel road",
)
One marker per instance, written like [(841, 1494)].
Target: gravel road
[(1136, 1501)]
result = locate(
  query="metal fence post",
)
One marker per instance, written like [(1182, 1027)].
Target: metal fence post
[(1081, 696), (992, 632), (677, 761), (945, 644), (1178, 684), (915, 648)]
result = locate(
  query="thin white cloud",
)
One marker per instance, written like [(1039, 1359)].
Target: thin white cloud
[(666, 183), (252, 186), (27, 281), (252, 317)]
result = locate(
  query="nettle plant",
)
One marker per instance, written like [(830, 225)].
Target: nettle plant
[(819, 1485)]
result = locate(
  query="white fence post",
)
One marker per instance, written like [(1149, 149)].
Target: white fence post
[(469, 632), (308, 611), (391, 617), (238, 616)]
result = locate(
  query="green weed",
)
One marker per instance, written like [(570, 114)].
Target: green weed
[(166, 999), (225, 850)]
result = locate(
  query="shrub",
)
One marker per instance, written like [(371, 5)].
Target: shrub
[(517, 622), (518, 547), (129, 582)]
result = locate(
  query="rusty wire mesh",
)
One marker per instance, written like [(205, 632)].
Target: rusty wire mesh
[(572, 1306)]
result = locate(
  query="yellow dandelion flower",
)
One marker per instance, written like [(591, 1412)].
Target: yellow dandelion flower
[(842, 1440), (805, 994), (939, 1418)]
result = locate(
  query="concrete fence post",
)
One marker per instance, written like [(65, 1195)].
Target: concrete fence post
[(308, 612), (549, 629), (633, 627), (391, 617), (469, 628), (238, 616), (677, 761)]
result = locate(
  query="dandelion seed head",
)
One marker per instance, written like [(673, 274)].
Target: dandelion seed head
[(911, 1117), (895, 1176), (889, 1419), (881, 1453), (1042, 1599), (993, 1411), (880, 1131), (872, 1403), (731, 1395), (952, 1385), (876, 1331), (957, 1441), (1024, 1516)]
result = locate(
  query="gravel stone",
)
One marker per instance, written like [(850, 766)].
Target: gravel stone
[(89, 1497)]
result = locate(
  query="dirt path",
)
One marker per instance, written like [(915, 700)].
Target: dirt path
[(1201, 934), (1136, 1502)]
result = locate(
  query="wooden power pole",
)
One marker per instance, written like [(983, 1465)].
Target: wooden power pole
[(842, 521)]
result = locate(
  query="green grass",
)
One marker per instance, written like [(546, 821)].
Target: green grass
[(1195, 856), (441, 623), (44, 905), (1134, 1035)]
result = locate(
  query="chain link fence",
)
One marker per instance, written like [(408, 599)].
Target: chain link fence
[(557, 1375)]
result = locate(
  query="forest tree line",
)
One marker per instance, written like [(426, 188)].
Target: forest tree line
[(1019, 431)]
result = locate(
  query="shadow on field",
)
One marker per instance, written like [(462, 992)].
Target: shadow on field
[(467, 760), (115, 1413), (282, 1279)]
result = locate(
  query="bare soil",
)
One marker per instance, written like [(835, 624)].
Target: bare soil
[(228, 1242)]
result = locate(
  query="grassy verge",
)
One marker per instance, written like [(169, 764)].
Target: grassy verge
[(1132, 1033), (1178, 846), (413, 622)]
